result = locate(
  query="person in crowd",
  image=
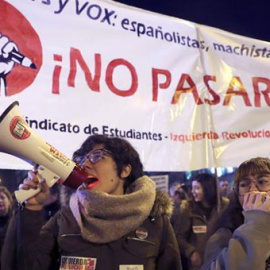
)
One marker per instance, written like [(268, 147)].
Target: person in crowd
[(5, 213), (179, 195), (193, 218), (118, 222), (240, 236), (224, 188), (173, 187)]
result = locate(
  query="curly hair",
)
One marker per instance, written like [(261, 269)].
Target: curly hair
[(122, 151)]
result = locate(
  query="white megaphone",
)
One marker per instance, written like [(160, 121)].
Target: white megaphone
[(17, 139)]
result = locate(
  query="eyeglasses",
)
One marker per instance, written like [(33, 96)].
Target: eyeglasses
[(95, 156), (262, 183)]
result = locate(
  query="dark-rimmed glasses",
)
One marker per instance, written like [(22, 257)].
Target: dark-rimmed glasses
[(262, 183), (95, 156)]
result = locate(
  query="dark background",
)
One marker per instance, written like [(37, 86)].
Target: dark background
[(246, 18)]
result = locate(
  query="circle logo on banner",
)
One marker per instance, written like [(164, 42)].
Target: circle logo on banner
[(16, 30), (18, 128)]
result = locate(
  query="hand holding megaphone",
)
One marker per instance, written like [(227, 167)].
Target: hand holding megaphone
[(36, 185), (17, 139), (41, 174)]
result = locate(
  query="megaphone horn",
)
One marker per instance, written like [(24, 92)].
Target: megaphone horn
[(17, 139)]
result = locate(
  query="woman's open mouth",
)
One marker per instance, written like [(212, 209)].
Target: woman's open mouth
[(90, 182)]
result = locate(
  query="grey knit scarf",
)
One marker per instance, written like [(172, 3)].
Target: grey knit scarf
[(103, 218)]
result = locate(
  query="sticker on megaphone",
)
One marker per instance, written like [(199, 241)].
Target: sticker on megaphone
[(19, 140)]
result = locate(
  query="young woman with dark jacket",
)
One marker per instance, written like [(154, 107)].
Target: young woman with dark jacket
[(191, 223), (119, 222), (240, 236)]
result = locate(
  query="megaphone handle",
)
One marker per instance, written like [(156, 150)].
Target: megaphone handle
[(50, 177), (23, 195)]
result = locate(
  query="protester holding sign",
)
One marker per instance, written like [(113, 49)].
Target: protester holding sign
[(193, 218), (241, 234), (116, 222)]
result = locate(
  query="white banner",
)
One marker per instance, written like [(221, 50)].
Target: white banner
[(186, 96)]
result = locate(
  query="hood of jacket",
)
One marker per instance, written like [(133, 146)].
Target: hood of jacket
[(163, 205)]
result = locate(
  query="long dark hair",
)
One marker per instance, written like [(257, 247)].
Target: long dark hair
[(209, 187), (122, 151), (231, 217)]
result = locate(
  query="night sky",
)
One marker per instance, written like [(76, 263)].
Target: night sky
[(242, 17)]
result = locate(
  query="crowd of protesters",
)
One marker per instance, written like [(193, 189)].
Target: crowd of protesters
[(122, 221)]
